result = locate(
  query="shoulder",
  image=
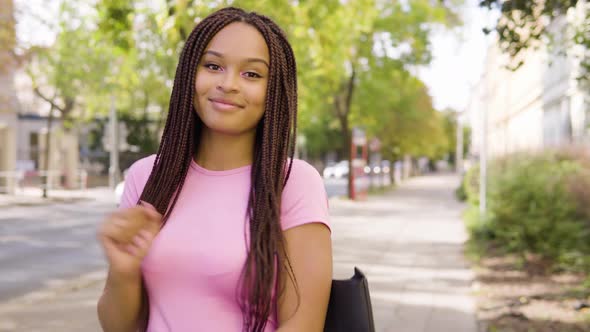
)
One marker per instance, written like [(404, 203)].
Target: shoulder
[(142, 167), (139, 172), (304, 197), (302, 171), (143, 164), (136, 178)]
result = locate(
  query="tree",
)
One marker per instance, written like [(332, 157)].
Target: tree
[(397, 36), (60, 74), (525, 24), (7, 56), (411, 126), (450, 118), (95, 57), (337, 45)]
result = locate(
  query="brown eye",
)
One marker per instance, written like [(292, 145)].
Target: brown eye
[(251, 74), (212, 66)]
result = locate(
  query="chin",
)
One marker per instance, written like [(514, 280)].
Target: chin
[(226, 129), (234, 124)]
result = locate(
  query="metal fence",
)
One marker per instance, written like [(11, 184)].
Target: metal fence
[(12, 182)]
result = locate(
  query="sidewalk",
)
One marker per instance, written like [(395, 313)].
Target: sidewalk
[(33, 196), (408, 243)]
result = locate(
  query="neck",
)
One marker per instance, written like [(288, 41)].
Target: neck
[(220, 152)]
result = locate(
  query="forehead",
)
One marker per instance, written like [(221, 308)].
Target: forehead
[(240, 40)]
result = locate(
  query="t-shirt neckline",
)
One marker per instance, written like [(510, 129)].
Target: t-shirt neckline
[(209, 172)]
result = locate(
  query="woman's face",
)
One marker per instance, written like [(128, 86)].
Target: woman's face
[(231, 80)]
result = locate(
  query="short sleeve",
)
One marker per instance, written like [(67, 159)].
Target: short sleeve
[(304, 198), (135, 181)]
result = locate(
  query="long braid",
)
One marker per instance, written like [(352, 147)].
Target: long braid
[(274, 144)]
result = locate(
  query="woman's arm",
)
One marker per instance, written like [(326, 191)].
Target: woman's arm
[(119, 307), (126, 237), (309, 247)]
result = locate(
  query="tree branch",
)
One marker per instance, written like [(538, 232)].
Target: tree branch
[(51, 102)]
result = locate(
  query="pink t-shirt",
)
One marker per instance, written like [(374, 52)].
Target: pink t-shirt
[(193, 268)]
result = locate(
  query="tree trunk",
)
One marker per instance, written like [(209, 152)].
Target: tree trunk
[(347, 131), (47, 152), (342, 109)]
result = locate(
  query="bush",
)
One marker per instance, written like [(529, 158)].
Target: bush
[(539, 206), (471, 185), (460, 193)]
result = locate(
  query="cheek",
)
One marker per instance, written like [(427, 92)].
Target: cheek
[(200, 85), (258, 98), (201, 88)]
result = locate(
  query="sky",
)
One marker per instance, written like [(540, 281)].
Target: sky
[(458, 59), (30, 14), (457, 64)]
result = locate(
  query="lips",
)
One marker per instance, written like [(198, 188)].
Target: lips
[(224, 104)]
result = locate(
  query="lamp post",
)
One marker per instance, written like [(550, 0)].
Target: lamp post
[(114, 148), (483, 153)]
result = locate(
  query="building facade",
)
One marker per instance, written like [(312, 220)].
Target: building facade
[(541, 105)]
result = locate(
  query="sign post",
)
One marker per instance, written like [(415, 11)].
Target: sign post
[(375, 172), (359, 183)]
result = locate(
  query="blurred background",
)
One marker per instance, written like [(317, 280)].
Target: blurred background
[(478, 107)]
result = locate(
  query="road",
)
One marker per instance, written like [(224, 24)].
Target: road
[(336, 187), (41, 245)]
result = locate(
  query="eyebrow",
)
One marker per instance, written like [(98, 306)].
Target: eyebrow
[(217, 54)]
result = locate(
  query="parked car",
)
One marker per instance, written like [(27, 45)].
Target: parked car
[(338, 170), (120, 187), (378, 168), (119, 190)]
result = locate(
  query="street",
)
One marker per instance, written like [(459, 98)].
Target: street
[(41, 245), (335, 187)]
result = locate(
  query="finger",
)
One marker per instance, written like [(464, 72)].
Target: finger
[(138, 216), (134, 219), (141, 242), (119, 222), (117, 230), (153, 223), (146, 235), (111, 247), (117, 214), (151, 210), (140, 245), (133, 250)]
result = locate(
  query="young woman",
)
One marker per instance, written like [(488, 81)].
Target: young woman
[(222, 230)]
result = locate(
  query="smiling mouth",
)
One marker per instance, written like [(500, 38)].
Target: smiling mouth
[(224, 105)]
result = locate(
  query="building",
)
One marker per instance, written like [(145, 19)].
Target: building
[(8, 101), (23, 137), (538, 106)]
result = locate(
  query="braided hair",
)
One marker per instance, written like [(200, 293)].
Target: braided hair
[(272, 160)]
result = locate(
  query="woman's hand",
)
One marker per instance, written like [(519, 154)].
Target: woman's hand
[(126, 237)]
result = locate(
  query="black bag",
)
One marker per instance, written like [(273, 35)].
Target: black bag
[(350, 308)]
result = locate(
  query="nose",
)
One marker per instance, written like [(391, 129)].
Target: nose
[(228, 82)]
